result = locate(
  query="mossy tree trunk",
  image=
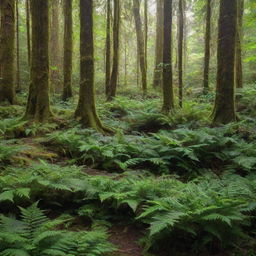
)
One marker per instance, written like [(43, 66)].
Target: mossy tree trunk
[(18, 84), (86, 109), (55, 49), (68, 50), (28, 31), (207, 48), (146, 31), (108, 48), (38, 106), (157, 82), (224, 109), (239, 40), (140, 44), (7, 46), (168, 98), (180, 50), (115, 63)]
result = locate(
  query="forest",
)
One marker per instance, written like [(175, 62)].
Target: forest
[(127, 127)]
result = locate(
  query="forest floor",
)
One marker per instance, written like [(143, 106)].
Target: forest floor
[(172, 184)]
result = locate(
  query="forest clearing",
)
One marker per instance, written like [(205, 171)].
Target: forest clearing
[(127, 128)]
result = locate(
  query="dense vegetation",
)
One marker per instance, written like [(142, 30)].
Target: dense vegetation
[(126, 168)]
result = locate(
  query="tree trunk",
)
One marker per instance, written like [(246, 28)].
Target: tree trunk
[(157, 82), (239, 39), (7, 88), (38, 106), (180, 50), (108, 48), (168, 98), (28, 31), (115, 67), (140, 44), (224, 109), (55, 58), (86, 109), (68, 50), (18, 85), (207, 47), (146, 31)]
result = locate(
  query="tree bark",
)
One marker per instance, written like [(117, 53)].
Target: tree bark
[(18, 84), (115, 66), (168, 97), (207, 49), (55, 58), (68, 50), (146, 32), (157, 82), (239, 39), (180, 50), (86, 109), (28, 31), (224, 109), (140, 44), (7, 31), (38, 106), (108, 48)]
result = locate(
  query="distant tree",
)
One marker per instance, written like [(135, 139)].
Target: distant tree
[(168, 97), (18, 84), (7, 46), (108, 48), (159, 44), (68, 50), (146, 31), (28, 31), (207, 48), (180, 50), (115, 63), (239, 39), (140, 44), (38, 106), (86, 109), (224, 109)]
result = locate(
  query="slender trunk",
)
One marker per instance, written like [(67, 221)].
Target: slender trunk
[(239, 40), (115, 67), (168, 97), (157, 81), (68, 50), (207, 47), (55, 59), (224, 109), (7, 31), (180, 50), (146, 31), (125, 63), (140, 44), (38, 105), (18, 85), (108, 48), (28, 31), (86, 109)]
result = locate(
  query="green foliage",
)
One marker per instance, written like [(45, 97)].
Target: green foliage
[(34, 235)]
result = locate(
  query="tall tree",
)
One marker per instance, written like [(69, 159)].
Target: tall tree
[(55, 49), (140, 44), (115, 62), (7, 31), (68, 50), (38, 106), (18, 84), (168, 97), (108, 47), (146, 31), (86, 109), (224, 109), (180, 50), (207, 46), (28, 30), (159, 44), (239, 39)]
